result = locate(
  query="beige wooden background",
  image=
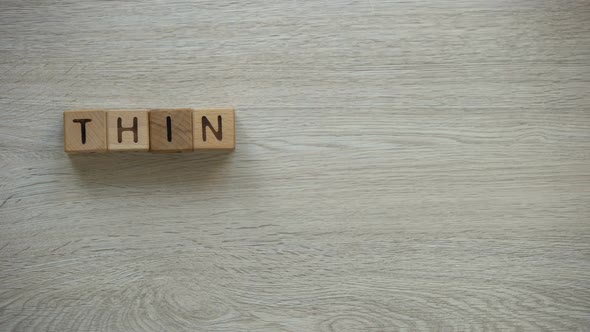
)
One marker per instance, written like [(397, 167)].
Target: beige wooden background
[(401, 166)]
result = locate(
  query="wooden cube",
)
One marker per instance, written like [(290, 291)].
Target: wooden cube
[(214, 129), (171, 130), (128, 130), (85, 131)]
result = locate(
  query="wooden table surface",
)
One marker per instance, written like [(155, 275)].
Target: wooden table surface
[(400, 166)]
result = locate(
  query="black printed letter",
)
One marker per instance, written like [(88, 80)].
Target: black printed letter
[(121, 129), (82, 123), (218, 133)]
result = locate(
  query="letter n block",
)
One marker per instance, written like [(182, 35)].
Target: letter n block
[(128, 130), (85, 131), (171, 130), (214, 129)]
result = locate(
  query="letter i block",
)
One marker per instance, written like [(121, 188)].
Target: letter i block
[(85, 131), (171, 130), (128, 130), (214, 129)]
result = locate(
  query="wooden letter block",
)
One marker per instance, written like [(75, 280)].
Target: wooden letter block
[(128, 130), (85, 131), (171, 130), (214, 129)]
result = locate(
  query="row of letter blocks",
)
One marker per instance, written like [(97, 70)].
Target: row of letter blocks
[(158, 130)]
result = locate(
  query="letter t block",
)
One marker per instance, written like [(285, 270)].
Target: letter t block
[(85, 131)]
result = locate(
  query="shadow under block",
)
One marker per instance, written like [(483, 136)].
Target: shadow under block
[(171, 130), (214, 129), (85, 131), (128, 130)]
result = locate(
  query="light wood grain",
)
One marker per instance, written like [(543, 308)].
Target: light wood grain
[(401, 166)]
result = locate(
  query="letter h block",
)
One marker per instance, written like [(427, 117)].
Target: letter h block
[(128, 130)]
